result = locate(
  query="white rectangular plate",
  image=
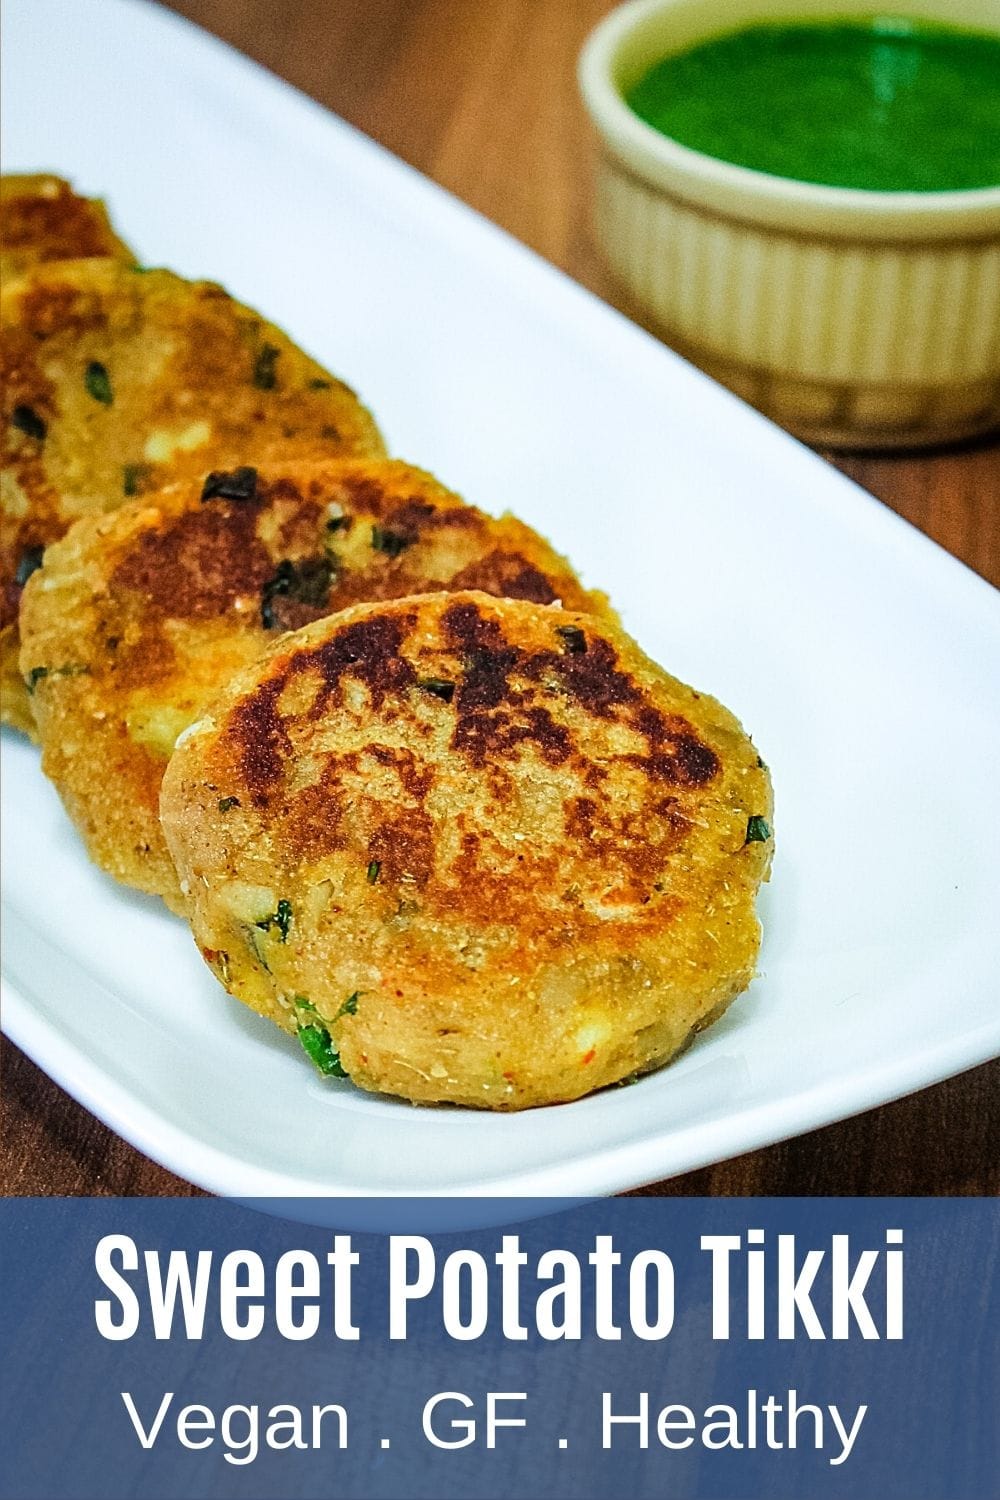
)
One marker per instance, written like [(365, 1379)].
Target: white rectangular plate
[(865, 662)]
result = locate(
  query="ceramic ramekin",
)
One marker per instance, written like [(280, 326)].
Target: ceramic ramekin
[(854, 318)]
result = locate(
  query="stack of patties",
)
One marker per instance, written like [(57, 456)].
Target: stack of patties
[(138, 619), (423, 802)]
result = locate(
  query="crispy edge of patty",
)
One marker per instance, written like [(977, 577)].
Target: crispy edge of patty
[(621, 997), (43, 218), (137, 619)]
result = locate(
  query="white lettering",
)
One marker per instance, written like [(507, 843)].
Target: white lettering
[(147, 1439), (241, 1450), (847, 1438), (296, 1276), (467, 1426), (124, 1247), (604, 1257), (793, 1290), (343, 1260), (720, 1247), (848, 1291), (609, 1420), (163, 1291), (663, 1268), (198, 1419), (233, 1290), (402, 1289), (476, 1304), (567, 1293)]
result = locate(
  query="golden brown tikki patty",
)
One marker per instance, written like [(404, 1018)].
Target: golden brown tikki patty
[(137, 619), (472, 849), (42, 219), (116, 381)]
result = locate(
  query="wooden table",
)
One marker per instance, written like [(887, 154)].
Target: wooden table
[(480, 95)]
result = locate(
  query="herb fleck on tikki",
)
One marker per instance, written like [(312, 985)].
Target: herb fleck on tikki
[(573, 638), (280, 918), (306, 582), (27, 420), (98, 383), (438, 687), (316, 1039), (237, 484), (392, 543), (265, 376), (134, 477), (38, 674), (30, 561)]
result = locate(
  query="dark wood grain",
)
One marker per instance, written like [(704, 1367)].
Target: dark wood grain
[(480, 95)]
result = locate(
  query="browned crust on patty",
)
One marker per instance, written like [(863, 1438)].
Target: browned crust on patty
[(116, 381), (521, 843), (43, 219), (156, 606)]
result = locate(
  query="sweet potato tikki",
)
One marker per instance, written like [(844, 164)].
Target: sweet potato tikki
[(136, 620), (116, 381), (42, 219), (472, 849)]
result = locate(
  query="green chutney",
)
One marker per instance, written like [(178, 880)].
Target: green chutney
[(884, 104)]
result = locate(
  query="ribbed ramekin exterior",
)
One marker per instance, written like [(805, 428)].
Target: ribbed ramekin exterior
[(842, 340)]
